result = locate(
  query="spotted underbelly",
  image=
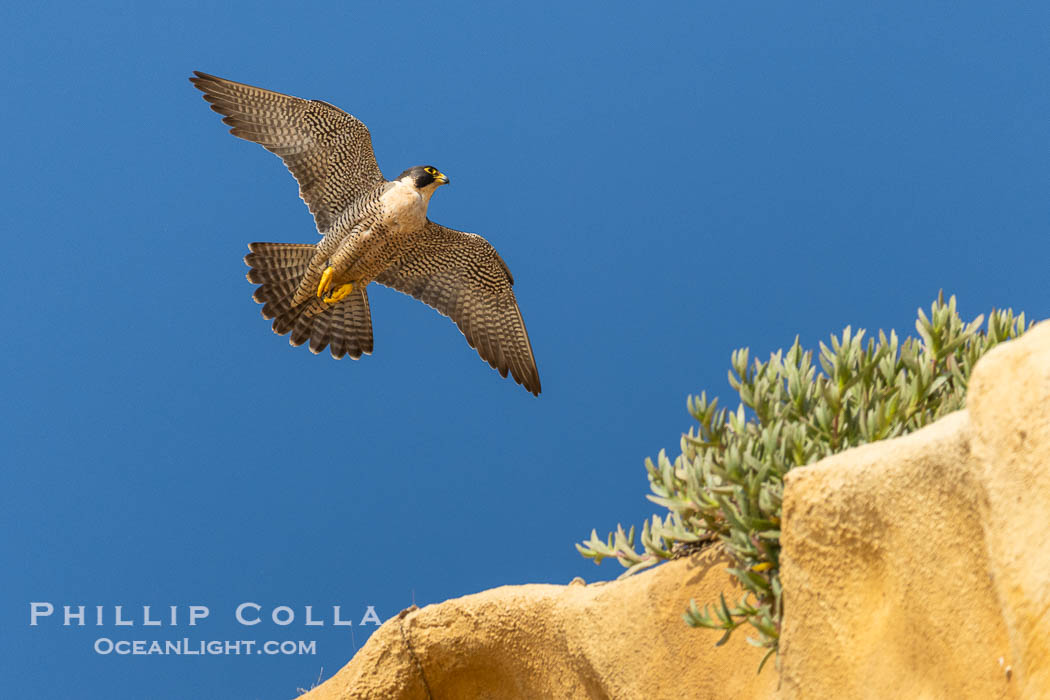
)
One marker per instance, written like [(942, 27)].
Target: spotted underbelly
[(377, 250), (367, 252)]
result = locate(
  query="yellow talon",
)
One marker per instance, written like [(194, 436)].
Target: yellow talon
[(340, 293), (326, 281)]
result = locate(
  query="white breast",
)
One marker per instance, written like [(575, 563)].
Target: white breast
[(403, 207)]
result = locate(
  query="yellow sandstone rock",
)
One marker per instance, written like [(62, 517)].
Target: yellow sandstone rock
[(919, 567), (912, 568), (1009, 406), (621, 639)]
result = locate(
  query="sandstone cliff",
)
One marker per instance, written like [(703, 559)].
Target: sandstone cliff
[(915, 567)]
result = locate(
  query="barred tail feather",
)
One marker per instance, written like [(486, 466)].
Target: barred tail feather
[(345, 328)]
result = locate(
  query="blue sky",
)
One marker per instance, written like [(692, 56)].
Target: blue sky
[(667, 184)]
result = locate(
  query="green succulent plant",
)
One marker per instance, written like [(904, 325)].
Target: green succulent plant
[(727, 484)]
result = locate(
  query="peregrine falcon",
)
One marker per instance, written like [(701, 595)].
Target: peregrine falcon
[(374, 230)]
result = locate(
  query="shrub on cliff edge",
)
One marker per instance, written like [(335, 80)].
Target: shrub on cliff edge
[(727, 484)]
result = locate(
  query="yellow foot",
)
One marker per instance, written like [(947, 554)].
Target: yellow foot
[(326, 281), (340, 293)]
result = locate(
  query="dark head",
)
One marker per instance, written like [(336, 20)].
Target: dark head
[(424, 176)]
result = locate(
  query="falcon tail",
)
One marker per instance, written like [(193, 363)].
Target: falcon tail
[(344, 328)]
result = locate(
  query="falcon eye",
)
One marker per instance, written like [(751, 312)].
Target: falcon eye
[(431, 171)]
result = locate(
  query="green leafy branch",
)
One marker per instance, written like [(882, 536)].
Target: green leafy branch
[(727, 484)]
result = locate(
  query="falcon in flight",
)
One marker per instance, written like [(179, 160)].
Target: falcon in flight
[(374, 230)]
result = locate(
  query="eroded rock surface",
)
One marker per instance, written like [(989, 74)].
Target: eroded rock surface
[(917, 567), (620, 639)]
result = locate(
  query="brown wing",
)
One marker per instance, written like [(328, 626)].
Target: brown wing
[(463, 277), (328, 151)]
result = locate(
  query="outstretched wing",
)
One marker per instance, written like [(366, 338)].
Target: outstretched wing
[(328, 151), (463, 277)]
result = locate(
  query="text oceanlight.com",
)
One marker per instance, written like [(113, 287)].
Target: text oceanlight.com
[(189, 647)]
